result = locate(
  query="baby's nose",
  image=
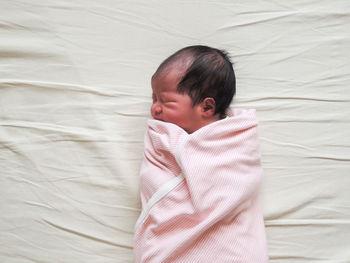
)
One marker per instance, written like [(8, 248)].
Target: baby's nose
[(156, 110)]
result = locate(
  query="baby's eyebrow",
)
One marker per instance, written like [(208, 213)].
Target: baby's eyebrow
[(167, 94)]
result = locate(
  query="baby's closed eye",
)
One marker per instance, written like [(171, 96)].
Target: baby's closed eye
[(168, 100)]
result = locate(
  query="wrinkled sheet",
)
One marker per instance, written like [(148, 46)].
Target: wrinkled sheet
[(75, 97)]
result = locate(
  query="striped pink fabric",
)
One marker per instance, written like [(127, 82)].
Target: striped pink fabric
[(199, 193)]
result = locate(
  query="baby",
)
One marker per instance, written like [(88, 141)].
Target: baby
[(193, 87), (201, 171)]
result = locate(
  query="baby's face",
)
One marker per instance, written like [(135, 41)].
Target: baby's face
[(171, 106)]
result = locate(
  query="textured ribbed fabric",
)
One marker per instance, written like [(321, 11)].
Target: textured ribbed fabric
[(199, 193)]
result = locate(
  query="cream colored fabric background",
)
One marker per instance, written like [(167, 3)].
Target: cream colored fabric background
[(74, 99)]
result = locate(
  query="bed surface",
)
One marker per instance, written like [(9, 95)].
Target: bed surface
[(75, 96)]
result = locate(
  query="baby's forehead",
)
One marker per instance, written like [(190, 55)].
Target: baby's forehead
[(169, 74), (177, 65), (174, 74), (182, 64), (167, 80)]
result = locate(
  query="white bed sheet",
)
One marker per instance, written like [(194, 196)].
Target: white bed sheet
[(74, 99)]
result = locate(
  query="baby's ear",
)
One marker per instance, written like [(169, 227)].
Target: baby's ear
[(208, 107)]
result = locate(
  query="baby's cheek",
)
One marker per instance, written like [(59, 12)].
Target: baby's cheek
[(170, 117)]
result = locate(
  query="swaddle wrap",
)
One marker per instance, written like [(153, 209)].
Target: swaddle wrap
[(199, 193)]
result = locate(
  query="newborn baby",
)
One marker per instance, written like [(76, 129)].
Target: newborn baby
[(201, 172)]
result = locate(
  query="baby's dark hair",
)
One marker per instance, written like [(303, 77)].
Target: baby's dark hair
[(208, 73)]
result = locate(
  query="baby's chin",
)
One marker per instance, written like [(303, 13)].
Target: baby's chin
[(189, 131), (159, 119)]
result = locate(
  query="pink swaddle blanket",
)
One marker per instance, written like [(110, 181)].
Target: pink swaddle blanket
[(199, 193)]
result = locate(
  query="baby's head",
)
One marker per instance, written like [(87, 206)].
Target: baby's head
[(193, 87)]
